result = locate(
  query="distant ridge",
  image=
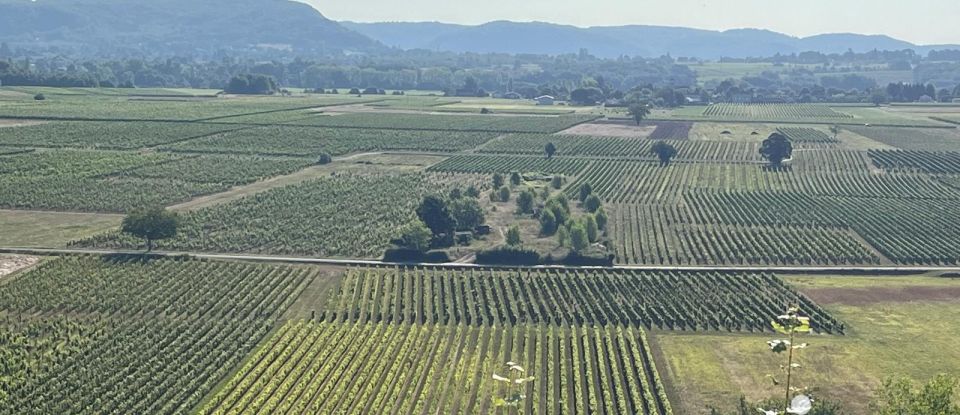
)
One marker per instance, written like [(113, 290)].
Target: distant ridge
[(614, 41), (175, 26)]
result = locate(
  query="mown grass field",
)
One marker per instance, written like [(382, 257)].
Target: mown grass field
[(896, 326)]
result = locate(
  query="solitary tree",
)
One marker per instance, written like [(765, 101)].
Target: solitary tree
[(638, 112), (434, 213), (550, 149), (664, 151), (324, 158), (513, 236), (790, 324), (151, 225), (776, 148)]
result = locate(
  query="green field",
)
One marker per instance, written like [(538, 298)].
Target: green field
[(894, 334), (19, 228)]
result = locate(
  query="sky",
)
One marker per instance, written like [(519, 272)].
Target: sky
[(918, 21)]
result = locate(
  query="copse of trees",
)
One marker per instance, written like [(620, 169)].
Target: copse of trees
[(252, 84), (151, 224)]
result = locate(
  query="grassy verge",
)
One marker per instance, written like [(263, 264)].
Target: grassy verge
[(50, 229), (916, 339)]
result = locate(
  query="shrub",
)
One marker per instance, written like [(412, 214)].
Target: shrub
[(325, 158), (504, 194), (39, 97), (508, 256)]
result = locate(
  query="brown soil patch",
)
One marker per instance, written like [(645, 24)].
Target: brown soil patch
[(611, 130), (864, 296), (19, 123), (918, 109), (11, 264)]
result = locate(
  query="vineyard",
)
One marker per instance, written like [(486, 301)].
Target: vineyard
[(917, 161), (619, 181), (113, 335), (772, 112), (613, 147), (659, 234), (116, 181), (312, 141), (450, 122), (106, 135), (803, 135), (663, 300), (341, 216), (916, 139), (107, 108), (328, 368)]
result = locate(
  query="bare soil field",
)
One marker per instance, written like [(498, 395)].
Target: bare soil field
[(13, 263), (19, 123), (611, 130), (872, 295)]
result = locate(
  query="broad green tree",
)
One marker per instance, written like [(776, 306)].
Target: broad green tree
[(638, 112), (468, 213), (550, 149), (415, 236), (592, 204), (579, 240), (151, 224), (776, 149), (664, 151), (434, 212), (525, 201)]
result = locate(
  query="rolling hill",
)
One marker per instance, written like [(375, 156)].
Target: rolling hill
[(613, 41), (175, 26)]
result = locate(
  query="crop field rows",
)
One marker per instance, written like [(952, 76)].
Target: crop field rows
[(773, 112), (327, 368), (640, 182), (916, 139), (905, 230), (343, 216), (106, 135), (917, 161), (312, 141), (490, 164), (445, 122), (663, 300), (133, 335), (661, 234), (802, 135), (106, 181), (425, 340), (614, 147)]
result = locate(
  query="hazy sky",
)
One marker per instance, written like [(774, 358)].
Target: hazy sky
[(918, 21)]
